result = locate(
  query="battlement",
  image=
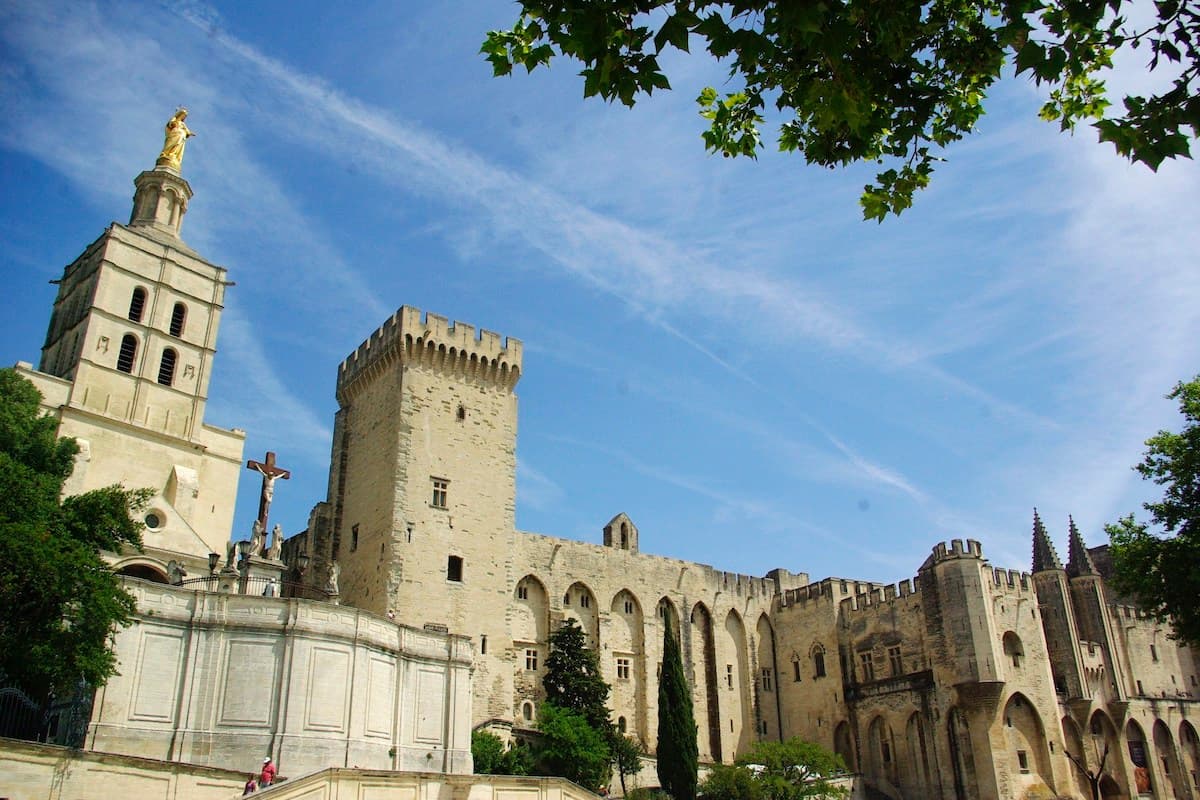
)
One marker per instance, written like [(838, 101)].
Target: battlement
[(1012, 578), (955, 548), (433, 342), (878, 596), (740, 584)]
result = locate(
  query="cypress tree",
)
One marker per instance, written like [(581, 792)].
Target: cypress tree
[(677, 753)]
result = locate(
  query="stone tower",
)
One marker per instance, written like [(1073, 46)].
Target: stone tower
[(420, 515), (1058, 614), (126, 367)]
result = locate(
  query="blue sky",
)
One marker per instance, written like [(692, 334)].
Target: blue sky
[(720, 348)]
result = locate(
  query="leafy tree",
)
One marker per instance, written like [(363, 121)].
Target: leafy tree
[(677, 753), (571, 747), (492, 757), (627, 753), (794, 769), (573, 679), (725, 782), (1162, 573), (60, 600), (887, 81)]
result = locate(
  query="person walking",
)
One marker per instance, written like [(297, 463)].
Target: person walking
[(267, 776)]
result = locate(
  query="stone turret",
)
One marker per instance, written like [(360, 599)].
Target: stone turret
[(1079, 560), (1058, 616), (1044, 555)]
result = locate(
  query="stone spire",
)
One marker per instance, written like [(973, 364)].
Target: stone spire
[(1044, 556), (1079, 560)]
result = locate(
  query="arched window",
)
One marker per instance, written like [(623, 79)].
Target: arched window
[(1013, 649), (166, 367), (178, 317), (818, 657), (527, 711), (137, 304), (128, 353), (624, 536)]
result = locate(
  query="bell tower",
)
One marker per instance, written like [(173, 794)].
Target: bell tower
[(126, 366)]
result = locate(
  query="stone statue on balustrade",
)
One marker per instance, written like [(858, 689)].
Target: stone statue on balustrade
[(276, 551)]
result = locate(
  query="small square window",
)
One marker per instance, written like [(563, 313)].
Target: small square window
[(441, 491)]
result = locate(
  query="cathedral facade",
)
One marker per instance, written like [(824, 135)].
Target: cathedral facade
[(965, 681)]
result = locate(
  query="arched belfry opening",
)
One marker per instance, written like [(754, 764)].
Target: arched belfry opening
[(621, 533)]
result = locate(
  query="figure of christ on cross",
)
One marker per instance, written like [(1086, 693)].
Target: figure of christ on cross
[(270, 473)]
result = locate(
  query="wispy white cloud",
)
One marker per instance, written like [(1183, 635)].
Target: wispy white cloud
[(653, 274), (535, 489)]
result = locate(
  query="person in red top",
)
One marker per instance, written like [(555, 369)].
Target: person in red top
[(267, 777)]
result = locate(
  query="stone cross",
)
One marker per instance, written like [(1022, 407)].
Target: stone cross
[(270, 473)]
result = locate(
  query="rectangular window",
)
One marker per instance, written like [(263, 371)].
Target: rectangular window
[(628, 606), (868, 666), (1023, 761), (585, 601), (522, 592), (483, 645), (886, 752), (441, 488), (454, 569), (1140, 689), (896, 663), (531, 660), (1153, 653), (353, 538), (819, 664), (729, 676), (796, 670), (622, 668), (766, 680)]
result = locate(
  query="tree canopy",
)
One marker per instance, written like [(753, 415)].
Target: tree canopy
[(573, 680), (60, 600), (1162, 572), (888, 81), (492, 757), (794, 769)]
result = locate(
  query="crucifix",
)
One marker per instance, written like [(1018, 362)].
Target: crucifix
[(270, 473)]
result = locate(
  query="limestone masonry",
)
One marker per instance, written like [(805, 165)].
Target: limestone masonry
[(965, 681)]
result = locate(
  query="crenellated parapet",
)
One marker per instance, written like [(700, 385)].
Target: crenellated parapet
[(431, 342), (879, 596), (954, 549), (1013, 579)]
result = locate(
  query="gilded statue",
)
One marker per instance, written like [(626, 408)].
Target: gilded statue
[(177, 134)]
